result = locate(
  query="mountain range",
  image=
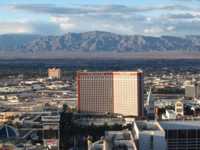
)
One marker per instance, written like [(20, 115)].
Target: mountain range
[(97, 41)]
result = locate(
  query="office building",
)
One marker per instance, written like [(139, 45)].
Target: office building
[(149, 135), (54, 73), (192, 91), (114, 92), (150, 103), (182, 135), (50, 131), (153, 135)]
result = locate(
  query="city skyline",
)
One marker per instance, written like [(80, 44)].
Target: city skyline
[(100, 74), (155, 18)]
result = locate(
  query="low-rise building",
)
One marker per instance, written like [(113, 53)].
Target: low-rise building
[(149, 135), (169, 115), (7, 116), (50, 125), (114, 140), (119, 140)]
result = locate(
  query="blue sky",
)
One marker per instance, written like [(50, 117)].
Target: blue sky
[(56, 17)]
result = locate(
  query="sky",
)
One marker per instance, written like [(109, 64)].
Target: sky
[(127, 17)]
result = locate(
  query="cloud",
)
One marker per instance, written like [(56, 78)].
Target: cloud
[(92, 9), (170, 28), (187, 27), (21, 27), (45, 28), (150, 20), (184, 16), (184, 0), (158, 30), (14, 27), (65, 23), (187, 0), (122, 24), (153, 30), (91, 23), (45, 8)]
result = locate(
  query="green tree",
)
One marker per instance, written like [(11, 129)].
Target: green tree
[(65, 107)]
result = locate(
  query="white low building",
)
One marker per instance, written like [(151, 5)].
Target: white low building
[(114, 140), (149, 135), (169, 115)]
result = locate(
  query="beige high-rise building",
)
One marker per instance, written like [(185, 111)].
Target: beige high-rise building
[(192, 91), (54, 73), (114, 92)]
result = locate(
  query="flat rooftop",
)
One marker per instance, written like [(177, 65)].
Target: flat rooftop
[(99, 121), (121, 139), (180, 124), (130, 72), (118, 135), (147, 126)]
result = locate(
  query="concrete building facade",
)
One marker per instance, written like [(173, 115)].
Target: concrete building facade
[(54, 73), (114, 92), (114, 140), (192, 91), (149, 135)]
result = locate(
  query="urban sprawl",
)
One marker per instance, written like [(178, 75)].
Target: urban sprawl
[(100, 110)]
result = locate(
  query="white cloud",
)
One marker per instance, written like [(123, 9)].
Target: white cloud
[(153, 30), (29, 27), (160, 30), (150, 20), (14, 27), (65, 23), (170, 28), (90, 9), (83, 23)]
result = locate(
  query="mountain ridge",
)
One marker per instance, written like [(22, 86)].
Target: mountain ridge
[(97, 41)]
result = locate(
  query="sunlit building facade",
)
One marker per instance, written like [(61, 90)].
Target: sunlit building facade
[(54, 73), (114, 92)]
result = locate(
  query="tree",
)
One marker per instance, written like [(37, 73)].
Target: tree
[(65, 107)]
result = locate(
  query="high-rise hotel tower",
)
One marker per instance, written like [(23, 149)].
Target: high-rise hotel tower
[(114, 92), (54, 73)]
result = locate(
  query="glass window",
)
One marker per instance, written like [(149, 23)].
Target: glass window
[(182, 134)]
